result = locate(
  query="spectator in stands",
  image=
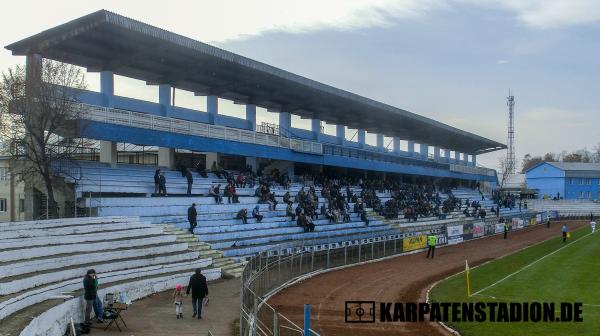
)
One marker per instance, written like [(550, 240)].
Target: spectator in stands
[(157, 182), (256, 214), (215, 169), (192, 215), (89, 294), (287, 198), (243, 215), (345, 215), (162, 185), (330, 215), (98, 308), (190, 181), (241, 181), (199, 291), (364, 218), (215, 192), (290, 212), (201, 169), (231, 193)]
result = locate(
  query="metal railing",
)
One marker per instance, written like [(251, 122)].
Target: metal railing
[(472, 170), (268, 272), (180, 126)]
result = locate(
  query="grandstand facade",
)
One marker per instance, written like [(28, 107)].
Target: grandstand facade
[(115, 45)]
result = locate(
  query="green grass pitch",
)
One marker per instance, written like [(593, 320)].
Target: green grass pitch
[(569, 275)]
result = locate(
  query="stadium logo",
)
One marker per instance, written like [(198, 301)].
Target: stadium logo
[(360, 311), (364, 312)]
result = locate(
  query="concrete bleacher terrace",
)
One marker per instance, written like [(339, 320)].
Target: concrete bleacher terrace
[(40, 260)]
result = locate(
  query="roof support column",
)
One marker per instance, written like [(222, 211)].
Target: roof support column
[(447, 155), (380, 142), (396, 145), (251, 116), (212, 105), (436, 152), (315, 127), (166, 157), (411, 148), (361, 138), (425, 151), (340, 133), (107, 88), (285, 123), (164, 99), (474, 163)]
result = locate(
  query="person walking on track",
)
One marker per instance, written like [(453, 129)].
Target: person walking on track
[(505, 230), (564, 233), (431, 241), (199, 291), (192, 214)]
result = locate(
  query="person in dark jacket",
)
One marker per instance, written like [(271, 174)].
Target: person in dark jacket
[(243, 215), (162, 184), (156, 182), (192, 214), (190, 181), (89, 293), (199, 291)]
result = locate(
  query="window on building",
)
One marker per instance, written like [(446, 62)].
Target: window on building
[(588, 194), (3, 205), (580, 181), (22, 205), (3, 173), (588, 181), (571, 181), (581, 194)]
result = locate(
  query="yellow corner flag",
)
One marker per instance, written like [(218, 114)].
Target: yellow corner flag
[(468, 274)]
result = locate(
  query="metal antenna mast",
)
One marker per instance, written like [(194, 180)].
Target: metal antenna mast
[(510, 156)]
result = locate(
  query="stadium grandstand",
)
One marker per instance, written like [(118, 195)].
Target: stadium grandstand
[(293, 185)]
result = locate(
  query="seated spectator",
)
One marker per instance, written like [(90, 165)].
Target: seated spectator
[(243, 215), (287, 198), (364, 218), (256, 214), (200, 169), (345, 215), (310, 226), (323, 210), (216, 193), (290, 212), (329, 215), (240, 181), (231, 193)]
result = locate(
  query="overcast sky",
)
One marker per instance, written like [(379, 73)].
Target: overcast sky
[(451, 60)]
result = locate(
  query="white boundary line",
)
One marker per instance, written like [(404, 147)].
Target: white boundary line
[(530, 264)]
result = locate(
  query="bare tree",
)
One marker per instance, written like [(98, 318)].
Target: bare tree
[(505, 170), (40, 122)]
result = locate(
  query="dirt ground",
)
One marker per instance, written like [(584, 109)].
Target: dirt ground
[(401, 279), (155, 315)]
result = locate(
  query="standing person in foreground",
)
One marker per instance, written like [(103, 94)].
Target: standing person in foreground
[(199, 291), (192, 214), (564, 233), (190, 181), (593, 225), (89, 294), (505, 230), (431, 242)]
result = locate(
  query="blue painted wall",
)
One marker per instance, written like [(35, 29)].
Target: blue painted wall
[(549, 180)]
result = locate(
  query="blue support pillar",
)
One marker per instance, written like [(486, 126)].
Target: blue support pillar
[(251, 117), (424, 151), (447, 155), (436, 152), (411, 148), (285, 123), (396, 145), (212, 105), (340, 133), (164, 99), (474, 163), (361, 138), (107, 88), (380, 142), (315, 126), (306, 319)]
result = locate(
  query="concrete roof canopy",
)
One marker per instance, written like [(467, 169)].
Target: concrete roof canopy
[(107, 41)]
